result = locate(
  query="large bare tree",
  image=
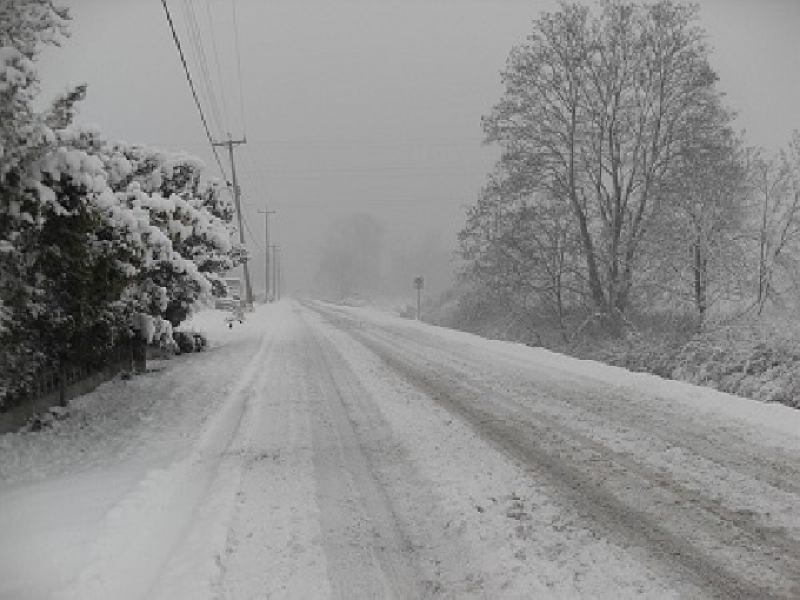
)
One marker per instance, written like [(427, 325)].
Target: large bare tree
[(776, 211), (599, 107), (700, 247), (522, 246)]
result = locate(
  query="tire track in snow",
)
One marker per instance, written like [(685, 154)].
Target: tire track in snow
[(367, 553), (721, 464), (743, 452), (312, 519), (677, 527), (167, 500), (776, 467), (273, 541), (723, 553)]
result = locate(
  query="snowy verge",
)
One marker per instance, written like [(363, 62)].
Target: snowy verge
[(173, 512), (705, 402), (103, 493)]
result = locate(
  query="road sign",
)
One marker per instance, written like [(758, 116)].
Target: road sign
[(418, 285)]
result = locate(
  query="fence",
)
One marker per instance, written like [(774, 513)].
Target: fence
[(58, 386)]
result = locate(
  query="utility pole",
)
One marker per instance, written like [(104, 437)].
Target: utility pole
[(230, 143), (275, 269), (269, 288), (279, 276)]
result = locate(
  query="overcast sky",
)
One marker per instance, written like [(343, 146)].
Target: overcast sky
[(362, 105)]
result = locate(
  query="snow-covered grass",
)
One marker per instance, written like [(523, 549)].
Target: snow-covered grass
[(754, 357), (759, 359), (705, 401), (75, 494)]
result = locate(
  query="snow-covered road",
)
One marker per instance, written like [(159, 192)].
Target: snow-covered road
[(327, 452)]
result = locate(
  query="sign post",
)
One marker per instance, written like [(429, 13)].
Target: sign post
[(418, 283)]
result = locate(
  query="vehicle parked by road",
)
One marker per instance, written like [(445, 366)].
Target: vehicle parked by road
[(233, 297)]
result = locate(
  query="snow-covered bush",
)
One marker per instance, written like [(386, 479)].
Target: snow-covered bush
[(92, 233), (190, 341), (759, 361)]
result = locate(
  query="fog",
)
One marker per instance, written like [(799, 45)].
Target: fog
[(359, 110)]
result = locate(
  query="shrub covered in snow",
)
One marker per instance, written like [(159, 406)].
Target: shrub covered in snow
[(757, 359), (95, 237), (190, 341)]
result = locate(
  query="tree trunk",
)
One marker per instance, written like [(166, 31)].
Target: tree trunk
[(62, 383), (139, 356), (700, 280)]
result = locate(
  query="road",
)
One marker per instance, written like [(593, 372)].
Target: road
[(674, 505), (363, 456)]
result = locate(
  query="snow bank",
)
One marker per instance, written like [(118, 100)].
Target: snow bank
[(90, 504), (706, 402)]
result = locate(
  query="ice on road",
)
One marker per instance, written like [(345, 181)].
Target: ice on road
[(325, 452)]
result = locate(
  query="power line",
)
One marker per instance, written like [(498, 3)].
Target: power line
[(239, 66), (219, 70), (196, 38), (250, 231), (191, 86), (377, 169), (470, 142), (257, 172), (405, 200)]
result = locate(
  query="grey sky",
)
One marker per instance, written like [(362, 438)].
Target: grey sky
[(365, 105)]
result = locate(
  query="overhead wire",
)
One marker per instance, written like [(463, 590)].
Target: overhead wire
[(249, 159), (470, 142), (241, 100), (190, 42), (192, 88), (219, 70), (250, 231), (196, 39), (256, 170), (239, 67)]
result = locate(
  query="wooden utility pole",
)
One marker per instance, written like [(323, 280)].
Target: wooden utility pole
[(275, 269), (279, 278), (269, 289), (229, 144)]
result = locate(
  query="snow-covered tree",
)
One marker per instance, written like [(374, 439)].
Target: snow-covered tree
[(189, 212), (94, 237), (194, 216), (776, 221), (598, 108), (522, 246), (698, 249), (25, 27)]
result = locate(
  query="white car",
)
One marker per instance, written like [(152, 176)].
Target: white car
[(227, 302)]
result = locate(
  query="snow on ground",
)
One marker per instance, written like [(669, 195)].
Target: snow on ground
[(497, 533), (726, 464), (703, 401), (225, 474), (74, 497)]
